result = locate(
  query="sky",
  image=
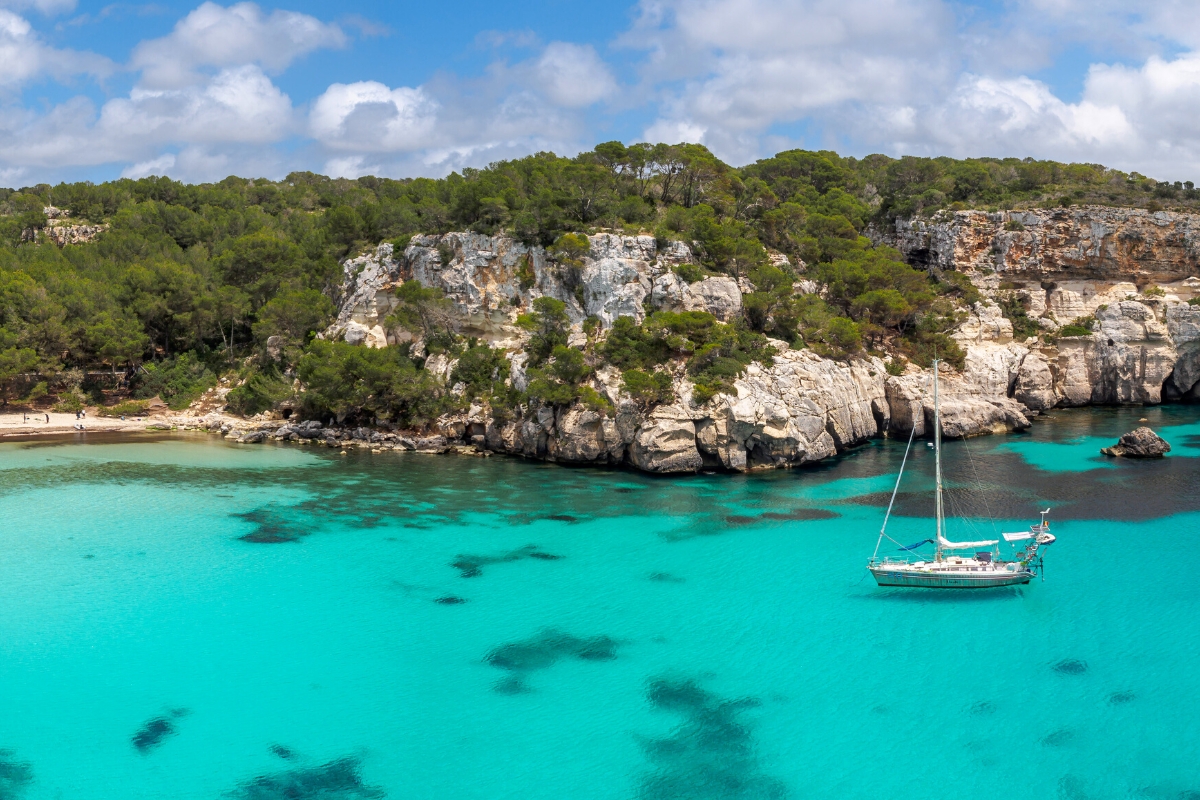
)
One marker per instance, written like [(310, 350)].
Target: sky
[(199, 91)]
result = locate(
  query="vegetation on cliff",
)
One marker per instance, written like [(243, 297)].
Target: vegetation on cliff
[(189, 282)]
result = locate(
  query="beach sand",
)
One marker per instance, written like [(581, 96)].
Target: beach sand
[(35, 424)]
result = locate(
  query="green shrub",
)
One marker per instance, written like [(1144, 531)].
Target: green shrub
[(1014, 225), (548, 322), (350, 382), (479, 368), (127, 408), (1014, 311), (837, 338), (178, 382), (37, 392), (568, 365), (647, 388), (570, 249), (688, 272), (550, 391), (595, 401), (896, 365), (526, 277), (261, 391), (1154, 291), (1082, 326), (69, 403)]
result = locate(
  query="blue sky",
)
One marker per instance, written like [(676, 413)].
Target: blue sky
[(202, 90)]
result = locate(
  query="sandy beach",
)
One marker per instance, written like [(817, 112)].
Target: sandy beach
[(33, 424)]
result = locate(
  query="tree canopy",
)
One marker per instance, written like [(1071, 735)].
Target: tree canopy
[(211, 271)]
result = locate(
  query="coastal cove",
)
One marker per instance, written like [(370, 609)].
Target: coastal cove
[(188, 617)]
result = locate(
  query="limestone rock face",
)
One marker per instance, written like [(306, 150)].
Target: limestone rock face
[(965, 411), (1140, 443), (489, 280), (1095, 242), (966, 415), (366, 298), (666, 442), (1126, 361), (1035, 383), (906, 399), (1133, 353), (986, 323), (1183, 328), (801, 409), (992, 369), (719, 296)]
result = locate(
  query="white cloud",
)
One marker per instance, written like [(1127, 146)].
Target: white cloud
[(368, 116), (573, 75), (923, 77), (237, 107), (47, 7), (749, 64), (23, 56), (215, 36), (155, 166)]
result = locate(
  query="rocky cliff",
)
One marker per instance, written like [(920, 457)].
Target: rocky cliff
[(1129, 270), (800, 409), (1089, 243)]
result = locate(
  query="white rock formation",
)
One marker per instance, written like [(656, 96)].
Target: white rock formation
[(719, 296)]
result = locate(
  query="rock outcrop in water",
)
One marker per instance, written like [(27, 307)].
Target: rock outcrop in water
[(1077, 266), (1139, 443)]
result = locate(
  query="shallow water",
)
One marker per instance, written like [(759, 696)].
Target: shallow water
[(184, 618)]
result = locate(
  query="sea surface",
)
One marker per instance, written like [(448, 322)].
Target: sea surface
[(181, 617)]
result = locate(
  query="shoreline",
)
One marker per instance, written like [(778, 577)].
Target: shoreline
[(26, 425)]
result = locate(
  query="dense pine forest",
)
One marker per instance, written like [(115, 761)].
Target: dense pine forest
[(183, 284)]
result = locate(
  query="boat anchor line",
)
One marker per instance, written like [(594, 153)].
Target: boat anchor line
[(985, 568)]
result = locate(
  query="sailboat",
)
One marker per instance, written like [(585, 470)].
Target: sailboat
[(982, 568)]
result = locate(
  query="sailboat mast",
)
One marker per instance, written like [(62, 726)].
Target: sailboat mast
[(937, 457)]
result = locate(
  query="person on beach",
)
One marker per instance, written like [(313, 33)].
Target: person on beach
[(47, 419)]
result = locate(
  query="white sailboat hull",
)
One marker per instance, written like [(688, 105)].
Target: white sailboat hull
[(933, 577)]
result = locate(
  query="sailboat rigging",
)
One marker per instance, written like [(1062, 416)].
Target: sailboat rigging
[(946, 570)]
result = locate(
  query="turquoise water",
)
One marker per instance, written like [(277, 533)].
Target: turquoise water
[(184, 618)]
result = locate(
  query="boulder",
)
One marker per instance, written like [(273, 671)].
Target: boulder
[(964, 411), (666, 442), (965, 415), (1035, 383), (431, 444), (584, 436), (1140, 443)]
